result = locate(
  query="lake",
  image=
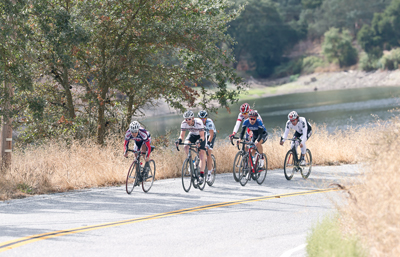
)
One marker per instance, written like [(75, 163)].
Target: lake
[(339, 109)]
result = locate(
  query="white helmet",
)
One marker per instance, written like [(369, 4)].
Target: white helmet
[(188, 115), (293, 115), (134, 126)]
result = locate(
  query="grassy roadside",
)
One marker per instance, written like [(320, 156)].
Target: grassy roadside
[(369, 224)]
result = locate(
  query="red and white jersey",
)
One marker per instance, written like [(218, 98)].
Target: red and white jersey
[(142, 136), (240, 119), (195, 129)]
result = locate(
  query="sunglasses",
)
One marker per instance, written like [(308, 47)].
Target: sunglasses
[(244, 113), (189, 119), (253, 119), (293, 121), (203, 118)]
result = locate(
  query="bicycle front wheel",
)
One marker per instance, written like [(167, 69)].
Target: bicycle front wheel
[(262, 171), (131, 178), (306, 169), (186, 175), (236, 165), (288, 166), (149, 175), (213, 172), (244, 170)]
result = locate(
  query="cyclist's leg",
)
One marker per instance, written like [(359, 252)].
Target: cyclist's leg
[(202, 155), (190, 139), (209, 159)]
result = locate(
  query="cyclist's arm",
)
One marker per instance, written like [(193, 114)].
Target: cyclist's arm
[(201, 133), (304, 136), (244, 128), (286, 132), (127, 138), (148, 148), (211, 135), (182, 135)]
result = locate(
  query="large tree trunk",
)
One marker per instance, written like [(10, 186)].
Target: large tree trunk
[(66, 86), (6, 131)]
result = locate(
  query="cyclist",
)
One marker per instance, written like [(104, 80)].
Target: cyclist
[(211, 133), (259, 133), (243, 115), (303, 131), (196, 135), (140, 136)]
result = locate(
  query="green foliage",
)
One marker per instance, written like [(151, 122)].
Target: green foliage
[(369, 41), (294, 66), (261, 33), (327, 239), (391, 61), (310, 63), (311, 4), (337, 47), (368, 62)]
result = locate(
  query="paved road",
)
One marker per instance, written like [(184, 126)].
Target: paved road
[(261, 226)]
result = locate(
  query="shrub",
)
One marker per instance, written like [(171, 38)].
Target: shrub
[(337, 47), (368, 62), (310, 63), (391, 61)]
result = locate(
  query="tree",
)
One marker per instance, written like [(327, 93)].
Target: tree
[(337, 47)]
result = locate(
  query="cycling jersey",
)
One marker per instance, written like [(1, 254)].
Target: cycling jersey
[(195, 129), (142, 136), (258, 129), (302, 127), (240, 119), (210, 126)]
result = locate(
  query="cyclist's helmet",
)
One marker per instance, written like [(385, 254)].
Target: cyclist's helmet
[(293, 115), (253, 114), (134, 126), (202, 114), (245, 108), (188, 115)]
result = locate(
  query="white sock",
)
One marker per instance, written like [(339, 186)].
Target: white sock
[(209, 172)]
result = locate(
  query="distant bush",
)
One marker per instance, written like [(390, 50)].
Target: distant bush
[(368, 62), (337, 47), (310, 63), (288, 68), (391, 61)]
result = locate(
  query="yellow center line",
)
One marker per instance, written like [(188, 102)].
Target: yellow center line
[(30, 239)]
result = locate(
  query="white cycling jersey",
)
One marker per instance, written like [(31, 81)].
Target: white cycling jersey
[(240, 119), (210, 126), (195, 129), (301, 127)]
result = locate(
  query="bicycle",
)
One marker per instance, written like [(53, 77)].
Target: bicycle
[(190, 169), (138, 174), (292, 162), (214, 169), (249, 168), (237, 160)]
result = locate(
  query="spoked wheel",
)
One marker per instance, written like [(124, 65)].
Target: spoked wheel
[(244, 170), (131, 178), (213, 172), (149, 175), (202, 185), (288, 167), (262, 171), (236, 165), (306, 169), (195, 173), (186, 175)]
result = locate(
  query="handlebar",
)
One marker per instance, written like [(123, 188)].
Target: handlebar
[(189, 144)]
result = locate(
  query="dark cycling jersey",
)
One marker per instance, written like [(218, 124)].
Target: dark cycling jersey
[(257, 128), (142, 136)]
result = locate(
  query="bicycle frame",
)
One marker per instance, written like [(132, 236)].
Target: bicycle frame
[(294, 149), (193, 148), (251, 146)]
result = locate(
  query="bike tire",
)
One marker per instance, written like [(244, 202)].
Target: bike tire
[(236, 164), (187, 172), (195, 173), (213, 172), (262, 171), (148, 179), (288, 165), (244, 170), (306, 170), (131, 178)]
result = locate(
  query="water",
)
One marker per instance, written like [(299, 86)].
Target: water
[(339, 109)]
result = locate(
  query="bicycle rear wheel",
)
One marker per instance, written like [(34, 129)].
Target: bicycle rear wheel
[(288, 166), (149, 175), (186, 175), (262, 171), (306, 169), (131, 178), (236, 165), (244, 170), (213, 172)]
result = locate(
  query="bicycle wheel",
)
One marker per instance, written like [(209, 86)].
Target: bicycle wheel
[(186, 175), (262, 171), (131, 178), (203, 185), (213, 172), (244, 170), (195, 172), (149, 175), (236, 164), (288, 166), (306, 170)]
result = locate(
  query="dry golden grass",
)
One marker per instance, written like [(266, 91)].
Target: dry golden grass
[(56, 166), (373, 210)]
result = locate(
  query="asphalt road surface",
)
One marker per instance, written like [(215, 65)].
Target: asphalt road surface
[(227, 219)]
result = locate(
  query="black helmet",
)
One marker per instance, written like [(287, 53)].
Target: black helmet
[(202, 114)]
